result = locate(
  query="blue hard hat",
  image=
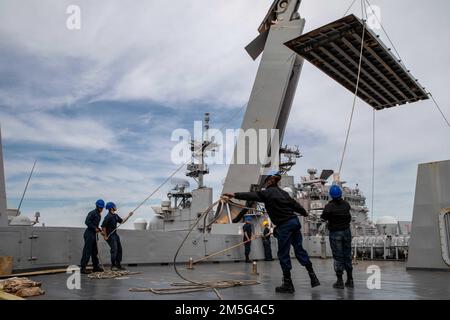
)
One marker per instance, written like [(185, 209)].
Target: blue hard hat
[(335, 192), (110, 205), (273, 174), (100, 203), (248, 218)]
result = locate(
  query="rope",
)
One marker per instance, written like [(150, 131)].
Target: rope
[(440, 110), (109, 274), (190, 285), (351, 5), (228, 249), (373, 160), (354, 99)]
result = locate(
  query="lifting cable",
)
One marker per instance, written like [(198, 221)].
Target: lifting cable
[(402, 62), (364, 11), (351, 5), (439, 109), (373, 159), (356, 93)]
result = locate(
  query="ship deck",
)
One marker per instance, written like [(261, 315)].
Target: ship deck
[(397, 283)]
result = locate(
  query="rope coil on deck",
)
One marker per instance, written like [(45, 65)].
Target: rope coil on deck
[(191, 286), (109, 274)]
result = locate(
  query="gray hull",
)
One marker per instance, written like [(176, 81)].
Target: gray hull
[(47, 247)]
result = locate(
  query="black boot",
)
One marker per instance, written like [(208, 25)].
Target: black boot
[(286, 287), (119, 266), (97, 269), (349, 283), (247, 259), (339, 284), (312, 275), (314, 281)]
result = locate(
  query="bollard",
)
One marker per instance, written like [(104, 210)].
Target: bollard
[(191, 264), (255, 268)]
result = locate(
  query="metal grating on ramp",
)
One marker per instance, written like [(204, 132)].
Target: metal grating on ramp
[(335, 49)]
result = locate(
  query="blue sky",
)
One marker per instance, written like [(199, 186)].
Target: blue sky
[(97, 106)]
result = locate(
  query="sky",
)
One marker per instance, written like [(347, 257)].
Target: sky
[(97, 106)]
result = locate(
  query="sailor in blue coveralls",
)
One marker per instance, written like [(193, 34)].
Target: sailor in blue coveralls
[(248, 231), (90, 249), (109, 227)]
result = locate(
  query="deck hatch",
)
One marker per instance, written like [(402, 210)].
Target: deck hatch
[(335, 49)]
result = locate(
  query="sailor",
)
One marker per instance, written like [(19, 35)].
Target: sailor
[(337, 214), (247, 229), (90, 249), (266, 241), (109, 227), (281, 209)]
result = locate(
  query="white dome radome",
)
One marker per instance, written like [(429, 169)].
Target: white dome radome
[(140, 224)]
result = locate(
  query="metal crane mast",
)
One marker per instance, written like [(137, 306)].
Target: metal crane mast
[(273, 90)]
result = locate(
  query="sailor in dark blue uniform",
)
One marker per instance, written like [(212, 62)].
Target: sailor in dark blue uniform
[(248, 231), (90, 249), (282, 210), (109, 227), (266, 241)]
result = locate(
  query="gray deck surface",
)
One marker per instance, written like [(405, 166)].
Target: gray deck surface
[(396, 283)]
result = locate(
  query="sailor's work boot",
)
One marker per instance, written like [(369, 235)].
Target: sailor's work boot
[(339, 284), (286, 287), (314, 280), (349, 283), (312, 275), (97, 269)]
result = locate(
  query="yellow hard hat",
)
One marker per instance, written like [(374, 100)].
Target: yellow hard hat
[(266, 223)]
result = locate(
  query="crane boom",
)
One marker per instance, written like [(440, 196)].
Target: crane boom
[(273, 90)]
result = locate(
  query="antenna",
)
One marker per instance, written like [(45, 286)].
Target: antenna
[(26, 187)]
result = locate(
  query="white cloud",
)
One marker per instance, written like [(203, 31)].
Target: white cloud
[(42, 128)]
